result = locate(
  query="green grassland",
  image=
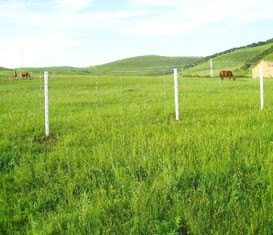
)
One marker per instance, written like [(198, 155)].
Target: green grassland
[(145, 65), (117, 162)]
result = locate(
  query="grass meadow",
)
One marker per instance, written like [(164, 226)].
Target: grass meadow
[(117, 162)]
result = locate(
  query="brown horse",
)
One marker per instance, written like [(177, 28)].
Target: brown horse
[(25, 75), (227, 74)]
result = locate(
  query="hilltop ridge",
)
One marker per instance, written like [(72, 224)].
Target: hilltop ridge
[(239, 59), (146, 65)]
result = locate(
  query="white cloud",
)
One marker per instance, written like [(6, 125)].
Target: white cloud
[(161, 27), (38, 27), (31, 50), (160, 2), (183, 16), (8, 7), (73, 4)]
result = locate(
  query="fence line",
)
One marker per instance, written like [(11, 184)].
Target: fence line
[(121, 81)]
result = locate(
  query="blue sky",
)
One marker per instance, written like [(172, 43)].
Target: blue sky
[(90, 32)]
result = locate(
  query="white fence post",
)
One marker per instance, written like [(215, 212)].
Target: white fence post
[(46, 104), (262, 87), (176, 94), (211, 69)]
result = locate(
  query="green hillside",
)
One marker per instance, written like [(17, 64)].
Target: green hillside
[(54, 71), (5, 73), (57, 69), (240, 60), (269, 57), (145, 65)]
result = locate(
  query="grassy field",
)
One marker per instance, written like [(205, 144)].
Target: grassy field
[(117, 162)]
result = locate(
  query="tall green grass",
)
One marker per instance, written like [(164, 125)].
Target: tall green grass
[(117, 162)]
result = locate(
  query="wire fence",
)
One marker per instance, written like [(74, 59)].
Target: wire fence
[(114, 97)]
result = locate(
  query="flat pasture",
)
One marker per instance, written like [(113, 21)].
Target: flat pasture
[(117, 161)]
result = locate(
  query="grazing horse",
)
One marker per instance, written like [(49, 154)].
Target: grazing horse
[(25, 75), (227, 74)]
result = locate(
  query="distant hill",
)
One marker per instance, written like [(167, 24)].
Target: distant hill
[(4, 69), (59, 69), (240, 60), (145, 65), (140, 65), (5, 73), (36, 71)]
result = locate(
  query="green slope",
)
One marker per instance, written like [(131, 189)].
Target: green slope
[(269, 57), (239, 60), (140, 65), (5, 74), (145, 65), (59, 70), (36, 72), (2, 69)]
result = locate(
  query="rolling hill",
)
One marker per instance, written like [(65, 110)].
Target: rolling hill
[(240, 60), (145, 65), (58, 69), (140, 65), (5, 73), (2, 69)]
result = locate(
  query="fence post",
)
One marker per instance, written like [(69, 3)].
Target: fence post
[(262, 87), (176, 94), (46, 104), (211, 69)]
